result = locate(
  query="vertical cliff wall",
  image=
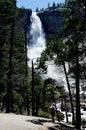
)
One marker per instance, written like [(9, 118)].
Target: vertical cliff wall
[(23, 19), (51, 20)]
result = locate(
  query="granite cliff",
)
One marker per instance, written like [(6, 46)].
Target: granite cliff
[(23, 19), (51, 20)]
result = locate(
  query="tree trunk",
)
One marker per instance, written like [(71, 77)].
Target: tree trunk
[(73, 119), (28, 107), (8, 97), (37, 107), (78, 113), (66, 110), (27, 97), (33, 92), (85, 8), (9, 103)]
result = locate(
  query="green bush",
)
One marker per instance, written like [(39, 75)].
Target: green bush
[(18, 102), (83, 121), (44, 114), (60, 116)]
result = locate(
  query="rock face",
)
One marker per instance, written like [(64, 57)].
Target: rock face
[(51, 20), (23, 20)]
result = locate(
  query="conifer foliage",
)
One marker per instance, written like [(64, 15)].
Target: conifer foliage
[(12, 58)]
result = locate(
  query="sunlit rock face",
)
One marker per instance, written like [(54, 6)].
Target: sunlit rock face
[(51, 20)]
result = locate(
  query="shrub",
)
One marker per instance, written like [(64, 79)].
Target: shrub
[(44, 114)]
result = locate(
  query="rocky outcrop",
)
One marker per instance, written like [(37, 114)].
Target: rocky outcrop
[(51, 20), (23, 19)]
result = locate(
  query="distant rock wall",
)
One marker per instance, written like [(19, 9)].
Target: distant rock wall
[(51, 20), (23, 19)]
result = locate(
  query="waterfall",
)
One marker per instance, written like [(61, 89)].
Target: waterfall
[(37, 38), (36, 45)]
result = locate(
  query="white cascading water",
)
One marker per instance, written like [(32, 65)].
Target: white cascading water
[(37, 44), (37, 40)]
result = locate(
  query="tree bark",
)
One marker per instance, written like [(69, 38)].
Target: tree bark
[(33, 91), (27, 97), (78, 113), (9, 103), (73, 118), (66, 109)]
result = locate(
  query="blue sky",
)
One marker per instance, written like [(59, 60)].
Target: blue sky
[(32, 4)]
